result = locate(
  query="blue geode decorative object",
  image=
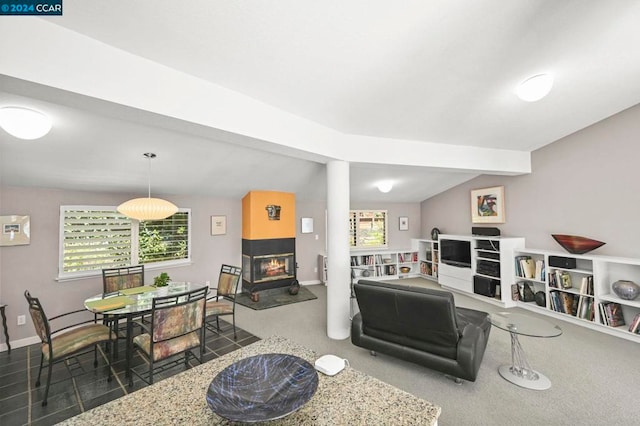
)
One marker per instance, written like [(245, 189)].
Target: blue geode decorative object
[(627, 290), (262, 387)]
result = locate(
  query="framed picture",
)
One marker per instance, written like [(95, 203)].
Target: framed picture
[(218, 225), (404, 223), (16, 230), (306, 225), (487, 205)]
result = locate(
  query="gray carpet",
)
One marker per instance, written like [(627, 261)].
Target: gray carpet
[(275, 297), (594, 376)]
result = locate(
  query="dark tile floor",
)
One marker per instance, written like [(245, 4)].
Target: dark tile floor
[(21, 401)]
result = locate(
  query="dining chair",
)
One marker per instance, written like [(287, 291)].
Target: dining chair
[(66, 342), (114, 280), (176, 328), (223, 301)]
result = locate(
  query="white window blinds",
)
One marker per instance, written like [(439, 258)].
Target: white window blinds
[(93, 238)]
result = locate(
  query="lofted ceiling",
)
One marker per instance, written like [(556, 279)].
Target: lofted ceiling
[(431, 72)]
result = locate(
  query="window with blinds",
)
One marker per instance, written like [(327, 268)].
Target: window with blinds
[(368, 228), (93, 238)]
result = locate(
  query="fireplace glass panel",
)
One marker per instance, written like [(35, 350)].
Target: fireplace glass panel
[(273, 267)]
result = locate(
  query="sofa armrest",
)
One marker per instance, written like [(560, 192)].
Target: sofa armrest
[(471, 347), (356, 329)]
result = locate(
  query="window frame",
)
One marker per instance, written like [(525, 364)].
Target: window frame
[(356, 213), (135, 229)]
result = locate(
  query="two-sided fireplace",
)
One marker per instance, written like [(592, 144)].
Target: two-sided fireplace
[(268, 263)]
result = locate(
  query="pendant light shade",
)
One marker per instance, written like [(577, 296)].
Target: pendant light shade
[(148, 208)]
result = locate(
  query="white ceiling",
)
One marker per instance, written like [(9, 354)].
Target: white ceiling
[(428, 71)]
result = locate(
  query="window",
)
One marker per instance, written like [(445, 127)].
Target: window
[(93, 238), (367, 228)]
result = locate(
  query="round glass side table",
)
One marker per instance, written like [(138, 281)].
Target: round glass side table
[(520, 372)]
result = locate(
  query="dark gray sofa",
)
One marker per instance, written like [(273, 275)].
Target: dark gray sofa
[(420, 325)]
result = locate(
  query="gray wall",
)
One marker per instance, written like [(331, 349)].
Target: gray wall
[(584, 184), (35, 266)]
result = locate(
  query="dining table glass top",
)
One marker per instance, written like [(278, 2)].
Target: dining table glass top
[(137, 299)]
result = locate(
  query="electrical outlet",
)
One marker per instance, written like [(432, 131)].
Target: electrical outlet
[(315, 270), (22, 320)]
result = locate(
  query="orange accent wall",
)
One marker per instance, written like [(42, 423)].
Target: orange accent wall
[(255, 221)]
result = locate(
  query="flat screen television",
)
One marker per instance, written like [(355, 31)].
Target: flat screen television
[(456, 253)]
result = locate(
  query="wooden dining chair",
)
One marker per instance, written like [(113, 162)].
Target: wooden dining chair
[(66, 342), (176, 328), (223, 301)]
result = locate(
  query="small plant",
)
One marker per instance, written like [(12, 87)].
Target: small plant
[(162, 280)]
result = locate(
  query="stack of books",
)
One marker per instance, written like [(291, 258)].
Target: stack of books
[(611, 314)]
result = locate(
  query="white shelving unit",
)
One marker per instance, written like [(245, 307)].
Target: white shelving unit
[(384, 264), (491, 264), (602, 270), (428, 258), (377, 264)]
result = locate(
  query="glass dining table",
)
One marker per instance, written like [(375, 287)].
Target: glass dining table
[(132, 303)]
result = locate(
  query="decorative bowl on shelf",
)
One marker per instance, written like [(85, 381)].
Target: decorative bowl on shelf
[(624, 289), (577, 245), (405, 269)]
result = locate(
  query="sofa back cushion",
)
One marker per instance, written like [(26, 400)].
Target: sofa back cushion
[(420, 318)]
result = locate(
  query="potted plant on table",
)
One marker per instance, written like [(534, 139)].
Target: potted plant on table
[(162, 280)]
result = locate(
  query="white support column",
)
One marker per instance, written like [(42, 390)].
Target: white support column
[(338, 260)]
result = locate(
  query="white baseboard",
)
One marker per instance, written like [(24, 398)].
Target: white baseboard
[(20, 343), (312, 282)]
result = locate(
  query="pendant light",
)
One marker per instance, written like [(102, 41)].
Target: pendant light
[(148, 208)]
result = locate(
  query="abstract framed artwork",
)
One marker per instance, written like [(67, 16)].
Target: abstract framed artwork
[(487, 205), (16, 230), (218, 225), (404, 223)]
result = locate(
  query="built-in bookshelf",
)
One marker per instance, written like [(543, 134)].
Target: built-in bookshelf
[(428, 258), (384, 264), (577, 288), (377, 264)]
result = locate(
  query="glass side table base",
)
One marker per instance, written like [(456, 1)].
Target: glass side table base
[(529, 379)]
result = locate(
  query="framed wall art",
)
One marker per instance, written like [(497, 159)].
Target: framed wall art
[(487, 205), (404, 223), (218, 225), (306, 225), (16, 230)]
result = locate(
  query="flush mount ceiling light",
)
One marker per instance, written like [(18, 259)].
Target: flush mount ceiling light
[(24, 123), (148, 208), (535, 88), (385, 186)]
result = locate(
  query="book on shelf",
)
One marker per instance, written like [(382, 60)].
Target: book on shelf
[(539, 270), (528, 268), (519, 265), (564, 279), (634, 327)]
